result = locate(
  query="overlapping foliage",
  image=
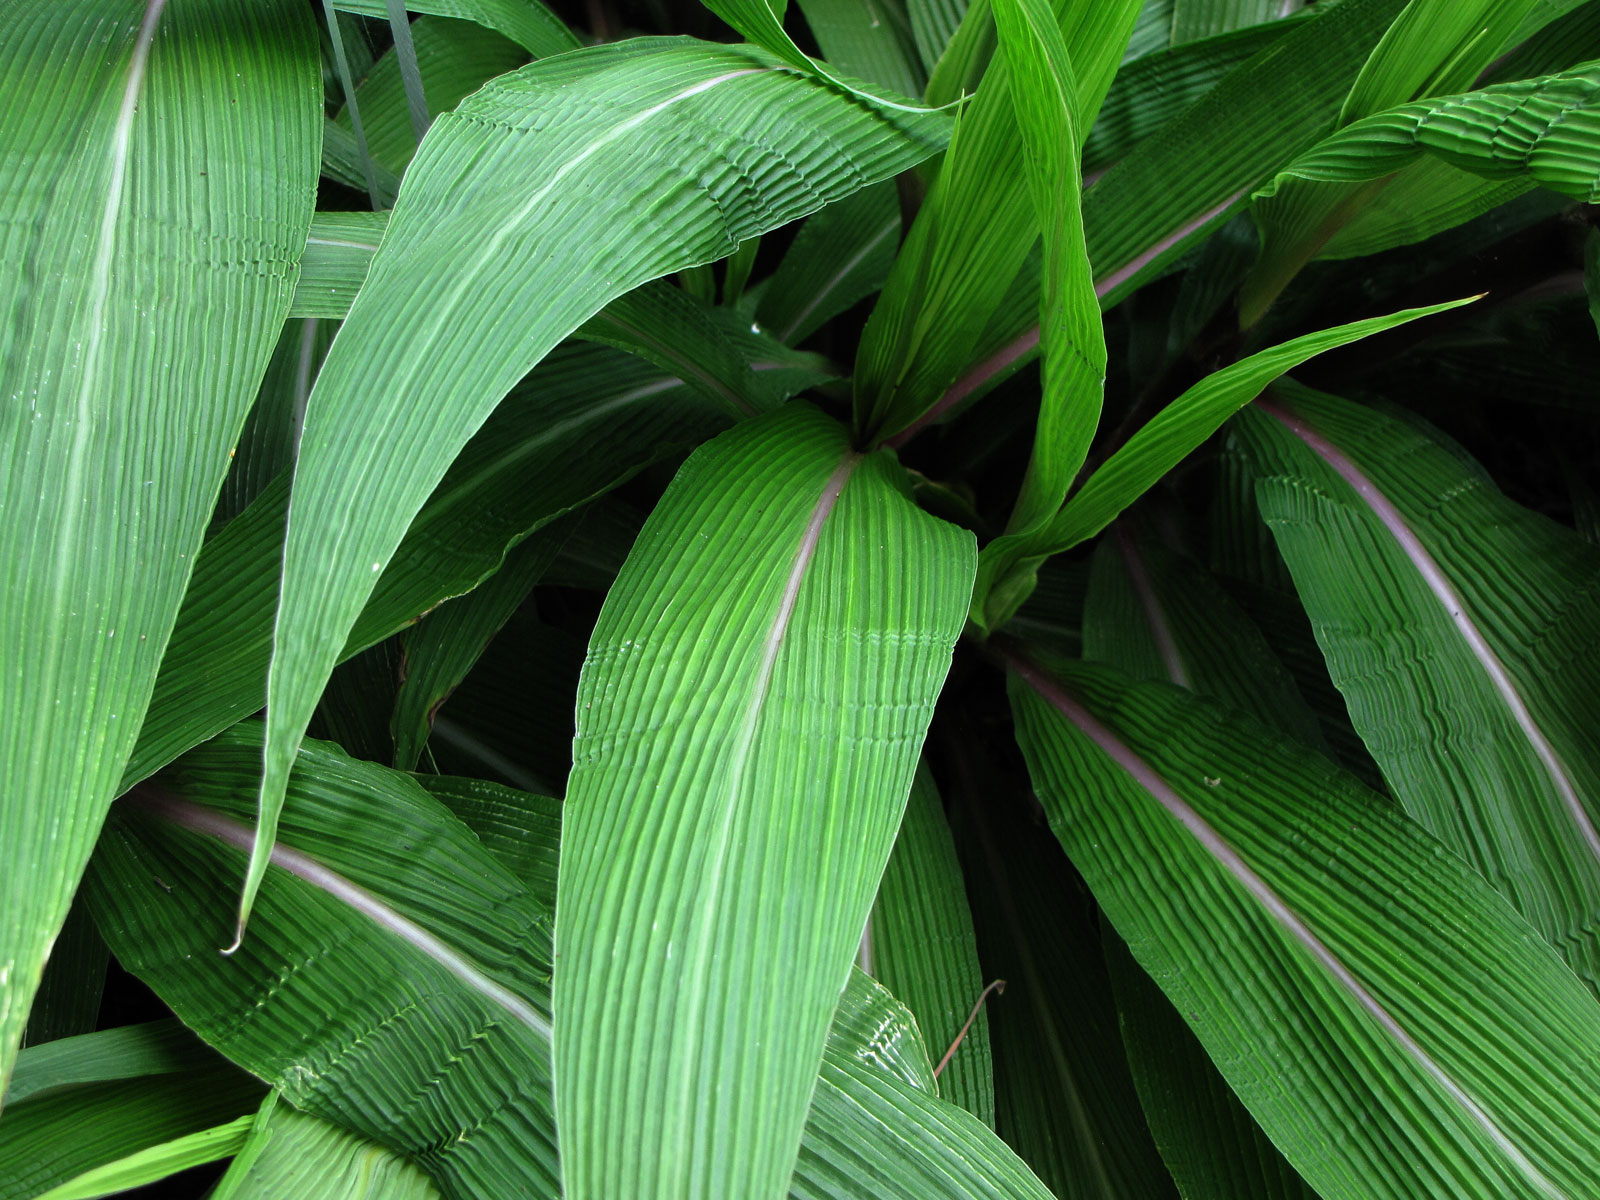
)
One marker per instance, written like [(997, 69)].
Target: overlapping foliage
[(592, 608)]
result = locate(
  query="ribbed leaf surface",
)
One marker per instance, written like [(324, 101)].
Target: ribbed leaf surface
[(147, 262), (620, 413), (291, 1153), (1392, 1023), (749, 717), (920, 944), (1007, 565), (529, 23), (1464, 631), (534, 197)]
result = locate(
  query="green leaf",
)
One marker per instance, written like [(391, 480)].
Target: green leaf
[(1063, 1096), (70, 994), (920, 943), (596, 414), (1208, 1139), (291, 1153), (1395, 541), (840, 256), (82, 1118), (339, 250), (155, 1163), (1153, 614), (756, 691), (933, 24), (1006, 567), (440, 650), (397, 981), (1392, 1023), (1072, 339), (529, 23), (455, 58), (971, 237), (1180, 183), (148, 265), (869, 40), (128, 1052), (622, 126), (1434, 46), (388, 913)]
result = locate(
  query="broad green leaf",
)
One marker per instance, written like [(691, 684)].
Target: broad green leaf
[(390, 910), (455, 58), (397, 982), (1213, 1147), (1423, 581), (1392, 1023), (1546, 128), (919, 942), (54, 1134), (1427, 198), (529, 23), (154, 1163), (1043, 93), (519, 828), (596, 414), (756, 691), (1154, 615), (148, 264), (339, 250), (1063, 1096), (971, 237), (1153, 89), (290, 1153), (440, 650), (868, 40), (1184, 180), (552, 176), (1006, 567), (840, 256), (933, 24), (1433, 47), (127, 1052)]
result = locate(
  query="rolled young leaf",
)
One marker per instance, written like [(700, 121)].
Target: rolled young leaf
[(755, 695), (148, 263), (1387, 1017), (547, 193)]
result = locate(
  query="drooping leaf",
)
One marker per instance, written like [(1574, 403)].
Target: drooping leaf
[(385, 897), (549, 175), (756, 691), (148, 265), (1006, 567), (1424, 582), (505, 484), (1392, 1023)]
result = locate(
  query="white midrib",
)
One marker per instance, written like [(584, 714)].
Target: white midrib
[(744, 737), (296, 862), (1279, 911), (1456, 609), (1166, 644), (93, 326)]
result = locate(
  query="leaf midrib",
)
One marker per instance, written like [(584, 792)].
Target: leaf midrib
[(1276, 908)]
